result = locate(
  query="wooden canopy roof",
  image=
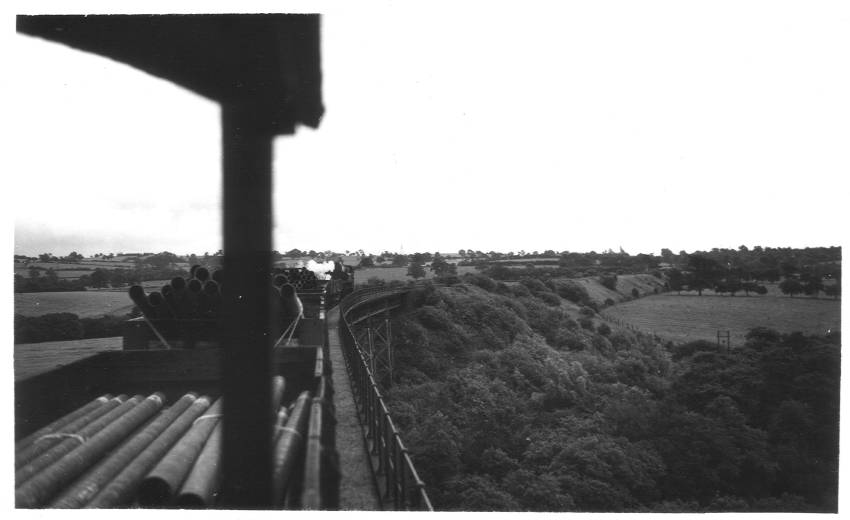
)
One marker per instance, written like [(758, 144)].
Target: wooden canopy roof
[(266, 64)]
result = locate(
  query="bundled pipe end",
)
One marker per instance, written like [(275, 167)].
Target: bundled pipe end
[(190, 501), (154, 492), (159, 397)]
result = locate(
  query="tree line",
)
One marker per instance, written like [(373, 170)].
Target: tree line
[(98, 278), (801, 270), (740, 274), (66, 326), (765, 264)]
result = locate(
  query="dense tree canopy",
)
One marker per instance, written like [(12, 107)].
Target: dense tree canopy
[(416, 270), (440, 267), (508, 404), (162, 260)]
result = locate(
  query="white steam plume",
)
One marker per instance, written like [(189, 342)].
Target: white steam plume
[(322, 270)]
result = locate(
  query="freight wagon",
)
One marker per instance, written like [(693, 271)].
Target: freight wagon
[(141, 427)]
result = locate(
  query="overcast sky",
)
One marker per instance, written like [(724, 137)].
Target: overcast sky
[(589, 126)]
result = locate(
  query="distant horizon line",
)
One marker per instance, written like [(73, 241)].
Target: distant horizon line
[(356, 252)]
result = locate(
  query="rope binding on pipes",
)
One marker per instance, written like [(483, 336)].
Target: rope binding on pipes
[(289, 429), (208, 416), (62, 435)]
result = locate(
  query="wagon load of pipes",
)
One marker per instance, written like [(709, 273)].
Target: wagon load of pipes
[(199, 297), (120, 451), (314, 284), (300, 277), (184, 313)]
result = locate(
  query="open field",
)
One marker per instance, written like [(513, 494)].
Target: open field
[(553, 261), (62, 272), (84, 264), (85, 304), (75, 270), (71, 274), (148, 286), (36, 358), (688, 318), (389, 274)]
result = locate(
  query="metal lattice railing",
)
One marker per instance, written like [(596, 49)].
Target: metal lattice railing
[(399, 484)]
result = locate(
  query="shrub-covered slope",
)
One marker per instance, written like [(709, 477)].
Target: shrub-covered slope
[(510, 402)]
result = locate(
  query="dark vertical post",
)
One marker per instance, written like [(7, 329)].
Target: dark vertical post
[(389, 331), (247, 370)]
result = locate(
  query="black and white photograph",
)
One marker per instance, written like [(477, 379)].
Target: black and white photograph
[(543, 257)]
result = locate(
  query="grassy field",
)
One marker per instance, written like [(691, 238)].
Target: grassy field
[(688, 317), (36, 358), (85, 304), (75, 270), (63, 275), (389, 274)]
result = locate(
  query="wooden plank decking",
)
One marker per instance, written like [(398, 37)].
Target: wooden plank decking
[(357, 490)]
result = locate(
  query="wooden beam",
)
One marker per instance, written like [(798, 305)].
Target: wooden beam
[(247, 369)]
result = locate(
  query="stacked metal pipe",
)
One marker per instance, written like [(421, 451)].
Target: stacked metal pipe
[(181, 298), (162, 483), (289, 441), (40, 479), (199, 297), (300, 277), (120, 452)]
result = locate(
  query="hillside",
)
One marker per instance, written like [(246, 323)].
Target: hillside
[(645, 284), (511, 401)]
